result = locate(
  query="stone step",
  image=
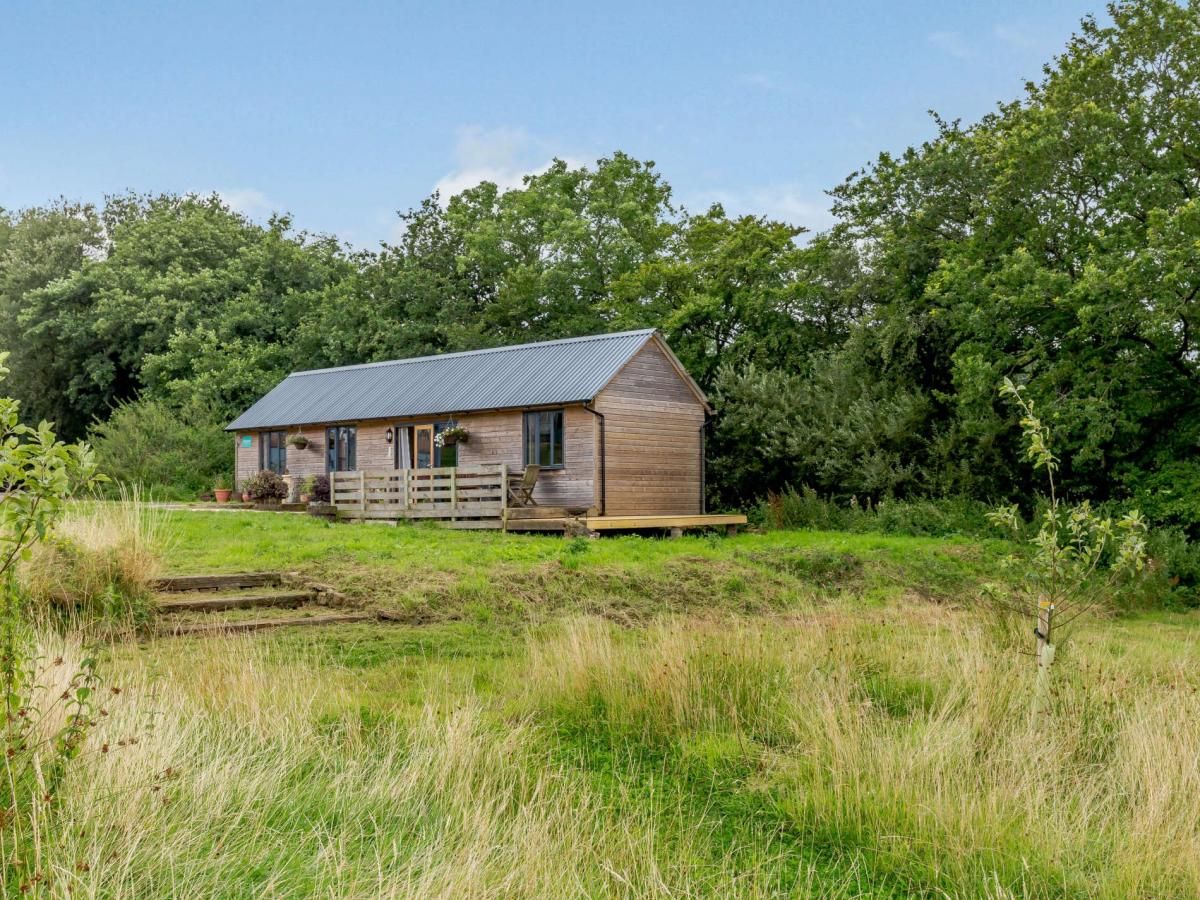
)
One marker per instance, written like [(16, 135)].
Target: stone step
[(219, 602), (204, 628), (225, 582)]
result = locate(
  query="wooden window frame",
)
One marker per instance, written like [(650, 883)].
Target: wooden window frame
[(336, 430), (264, 451), (535, 416)]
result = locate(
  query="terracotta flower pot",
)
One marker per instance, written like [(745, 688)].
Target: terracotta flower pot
[(245, 497), (223, 494), (304, 498)]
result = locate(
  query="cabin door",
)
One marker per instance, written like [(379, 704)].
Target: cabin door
[(423, 447)]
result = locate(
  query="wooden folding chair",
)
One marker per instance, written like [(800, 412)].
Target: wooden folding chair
[(520, 487)]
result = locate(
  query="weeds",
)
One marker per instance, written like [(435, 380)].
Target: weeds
[(95, 571)]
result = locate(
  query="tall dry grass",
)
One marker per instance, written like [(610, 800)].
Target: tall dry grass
[(248, 776), (899, 751), (911, 738), (96, 569)]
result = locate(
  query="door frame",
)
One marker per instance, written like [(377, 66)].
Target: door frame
[(416, 443)]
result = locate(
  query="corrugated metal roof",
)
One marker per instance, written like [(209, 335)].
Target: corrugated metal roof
[(550, 372)]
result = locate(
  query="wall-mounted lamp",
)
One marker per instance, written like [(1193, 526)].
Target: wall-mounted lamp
[(389, 435)]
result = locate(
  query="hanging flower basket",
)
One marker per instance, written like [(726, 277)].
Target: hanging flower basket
[(451, 435), (298, 441)]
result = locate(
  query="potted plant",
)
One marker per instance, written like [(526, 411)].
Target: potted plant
[(306, 488), (450, 435), (221, 488), (298, 440), (266, 487)]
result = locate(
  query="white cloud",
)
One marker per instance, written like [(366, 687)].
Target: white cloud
[(950, 42), (760, 80), (1015, 36), (500, 155), (251, 203), (786, 202)]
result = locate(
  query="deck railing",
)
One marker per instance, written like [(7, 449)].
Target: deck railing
[(465, 496)]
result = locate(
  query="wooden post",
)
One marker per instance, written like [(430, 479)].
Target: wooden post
[(453, 494), (676, 532), (1045, 622), (504, 496), (362, 493)]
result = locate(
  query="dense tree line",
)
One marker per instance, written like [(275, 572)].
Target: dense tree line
[(1055, 241)]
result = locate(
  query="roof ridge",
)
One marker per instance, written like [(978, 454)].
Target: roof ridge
[(480, 352)]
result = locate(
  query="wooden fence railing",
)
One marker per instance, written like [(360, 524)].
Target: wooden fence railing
[(466, 496)]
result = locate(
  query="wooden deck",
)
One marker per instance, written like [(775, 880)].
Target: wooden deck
[(634, 523), (675, 525), (476, 497)]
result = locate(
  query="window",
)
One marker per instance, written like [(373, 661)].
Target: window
[(544, 438), (447, 455), (341, 448), (272, 451)]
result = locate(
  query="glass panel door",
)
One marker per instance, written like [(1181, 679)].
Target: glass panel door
[(341, 448), (423, 447)]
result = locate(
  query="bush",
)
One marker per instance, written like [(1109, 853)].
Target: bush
[(320, 489), (923, 518), (1174, 568), (151, 444), (98, 566), (265, 486)]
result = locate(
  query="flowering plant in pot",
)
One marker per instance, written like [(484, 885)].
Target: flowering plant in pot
[(307, 486), (450, 435), (320, 489), (298, 440), (266, 487), (221, 488)]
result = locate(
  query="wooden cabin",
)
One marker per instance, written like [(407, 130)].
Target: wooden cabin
[(613, 423)]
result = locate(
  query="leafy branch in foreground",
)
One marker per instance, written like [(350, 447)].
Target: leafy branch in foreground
[(1078, 557), (38, 474)]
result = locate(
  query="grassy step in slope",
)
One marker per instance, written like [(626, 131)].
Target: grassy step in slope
[(169, 603)]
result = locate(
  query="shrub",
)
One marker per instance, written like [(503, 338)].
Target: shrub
[(1175, 568), (265, 486), (149, 443), (804, 508), (39, 473), (320, 489)]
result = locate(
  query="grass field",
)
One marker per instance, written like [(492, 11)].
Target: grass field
[(784, 714)]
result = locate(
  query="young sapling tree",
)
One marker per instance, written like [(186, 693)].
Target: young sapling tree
[(1078, 558)]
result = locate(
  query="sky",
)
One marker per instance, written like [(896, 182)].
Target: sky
[(343, 114)]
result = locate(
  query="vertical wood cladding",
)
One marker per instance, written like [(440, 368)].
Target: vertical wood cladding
[(652, 422)]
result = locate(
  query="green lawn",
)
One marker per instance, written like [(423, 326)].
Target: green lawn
[(783, 714), (432, 574)]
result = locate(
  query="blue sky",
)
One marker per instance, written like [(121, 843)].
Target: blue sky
[(344, 113)]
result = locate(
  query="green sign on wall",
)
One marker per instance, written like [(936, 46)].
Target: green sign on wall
[(246, 441)]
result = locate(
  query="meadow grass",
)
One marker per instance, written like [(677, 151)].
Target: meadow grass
[(96, 569), (858, 728)]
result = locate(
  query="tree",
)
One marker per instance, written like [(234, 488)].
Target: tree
[(45, 314), (1077, 557), (1055, 240)]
